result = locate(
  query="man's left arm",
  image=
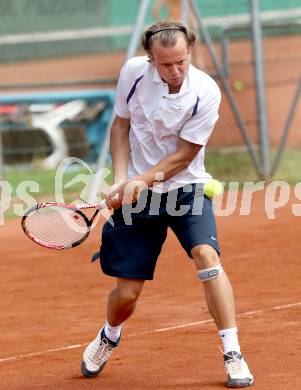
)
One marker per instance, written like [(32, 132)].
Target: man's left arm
[(172, 164), (169, 166)]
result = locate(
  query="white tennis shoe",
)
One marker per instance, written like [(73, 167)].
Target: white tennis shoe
[(96, 355), (237, 370)]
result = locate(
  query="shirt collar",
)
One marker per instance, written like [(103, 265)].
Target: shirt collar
[(157, 79)]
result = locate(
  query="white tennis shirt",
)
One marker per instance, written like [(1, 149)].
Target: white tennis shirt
[(158, 118)]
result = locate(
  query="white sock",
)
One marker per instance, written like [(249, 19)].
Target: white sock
[(113, 332), (229, 339)]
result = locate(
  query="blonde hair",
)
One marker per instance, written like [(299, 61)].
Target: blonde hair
[(167, 33)]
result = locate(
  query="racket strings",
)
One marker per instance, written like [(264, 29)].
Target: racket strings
[(56, 226)]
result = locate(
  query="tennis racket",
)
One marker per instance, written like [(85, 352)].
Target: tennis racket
[(58, 225)]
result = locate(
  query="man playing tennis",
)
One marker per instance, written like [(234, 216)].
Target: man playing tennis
[(165, 112)]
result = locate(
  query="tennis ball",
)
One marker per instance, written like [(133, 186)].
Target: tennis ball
[(238, 85), (213, 188)]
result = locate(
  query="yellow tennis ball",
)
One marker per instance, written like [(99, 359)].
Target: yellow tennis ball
[(213, 188), (238, 85)]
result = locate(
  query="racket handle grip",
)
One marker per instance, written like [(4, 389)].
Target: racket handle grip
[(103, 203)]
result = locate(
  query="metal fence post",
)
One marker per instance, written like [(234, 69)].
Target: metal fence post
[(260, 87), (286, 128), (185, 11), (1, 156)]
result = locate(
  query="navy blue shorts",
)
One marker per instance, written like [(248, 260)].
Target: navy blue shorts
[(131, 246)]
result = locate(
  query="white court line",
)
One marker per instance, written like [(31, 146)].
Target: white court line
[(69, 347), (248, 313)]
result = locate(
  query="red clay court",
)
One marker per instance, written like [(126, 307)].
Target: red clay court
[(53, 303)]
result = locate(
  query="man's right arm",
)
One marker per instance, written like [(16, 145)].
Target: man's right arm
[(120, 148)]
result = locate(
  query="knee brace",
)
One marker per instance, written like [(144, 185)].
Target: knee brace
[(210, 273)]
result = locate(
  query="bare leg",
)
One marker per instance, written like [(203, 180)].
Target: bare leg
[(121, 304), (218, 292), (122, 300)]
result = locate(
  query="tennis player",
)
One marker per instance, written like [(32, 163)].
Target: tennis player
[(165, 113)]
